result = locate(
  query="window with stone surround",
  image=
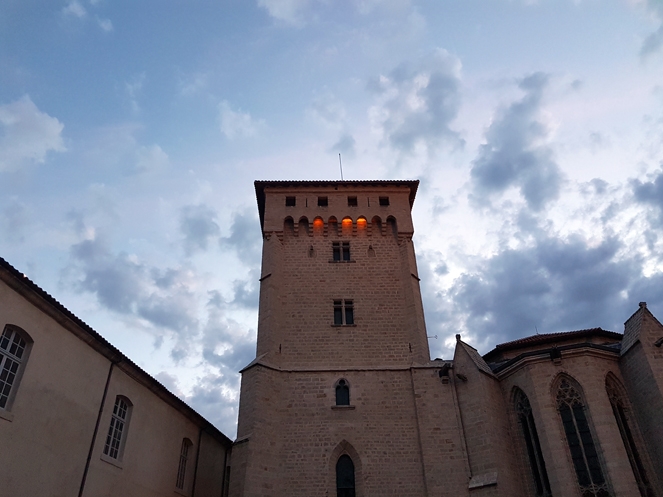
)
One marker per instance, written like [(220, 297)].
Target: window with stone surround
[(621, 411), (345, 477), (583, 450), (531, 438), (341, 251), (344, 313), (117, 431), (342, 393), (14, 347)]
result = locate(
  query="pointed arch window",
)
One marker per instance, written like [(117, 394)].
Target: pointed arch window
[(345, 477), (579, 437), (531, 437), (620, 409)]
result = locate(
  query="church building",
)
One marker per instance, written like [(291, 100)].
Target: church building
[(342, 398)]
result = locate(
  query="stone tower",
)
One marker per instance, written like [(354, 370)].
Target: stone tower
[(341, 333)]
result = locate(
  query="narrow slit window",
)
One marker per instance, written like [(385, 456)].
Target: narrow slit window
[(384, 201), (352, 201), (323, 202), (290, 201)]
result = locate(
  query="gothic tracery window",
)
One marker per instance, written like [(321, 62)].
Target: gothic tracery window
[(620, 409), (342, 393), (534, 453), (585, 458)]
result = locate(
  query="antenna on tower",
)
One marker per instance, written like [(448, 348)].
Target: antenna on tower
[(340, 164)]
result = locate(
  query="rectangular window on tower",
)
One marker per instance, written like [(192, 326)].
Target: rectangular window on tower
[(344, 313), (341, 251)]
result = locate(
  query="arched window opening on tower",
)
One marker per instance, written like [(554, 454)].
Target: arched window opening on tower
[(14, 348), (621, 411), (579, 437), (342, 393), (344, 312), (181, 468), (345, 477), (531, 437), (361, 223), (117, 431), (318, 225), (346, 225)]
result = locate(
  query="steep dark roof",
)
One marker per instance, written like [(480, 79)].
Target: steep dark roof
[(260, 186), (476, 358), (547, 338), (22, 284)]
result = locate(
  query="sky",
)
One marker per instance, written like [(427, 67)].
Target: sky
[(131, 134)]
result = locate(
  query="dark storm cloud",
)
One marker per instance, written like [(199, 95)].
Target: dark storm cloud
[(422, 100), (132, 288), (650, 193), (556, 285), (245, 237), (198, 225), (513, 155)]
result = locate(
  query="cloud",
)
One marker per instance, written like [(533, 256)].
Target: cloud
[(245, 237), (554, 285), (345, 145), (151, 158), (27, 134), (133, 88), (418, 103), (237, 124), (75, 9), (127, 286), (289, 12), (654, 41), (105, 24), (198, 224), (650, 193), (516, 154)]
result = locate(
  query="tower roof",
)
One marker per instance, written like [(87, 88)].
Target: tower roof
[(260, 186)]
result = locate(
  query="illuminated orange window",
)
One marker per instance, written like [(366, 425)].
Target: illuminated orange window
[(361, 223), (346, 223), (318, 223)]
